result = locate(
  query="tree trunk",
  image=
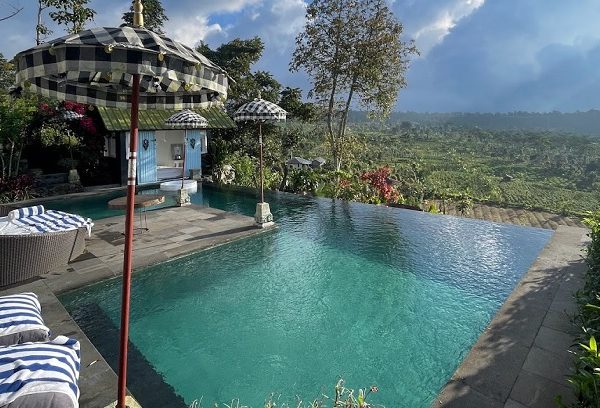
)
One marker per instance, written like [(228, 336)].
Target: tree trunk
[(332, 138), (10, 158), (3, 164), (284, 178), (39, 22), (18, 161), (331, 108), (342, 128)]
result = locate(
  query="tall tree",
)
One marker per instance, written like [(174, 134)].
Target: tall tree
[(352, 48), (15, 116), (291, 101), (74, 14), (7, 74), (154, 16), (42, 31), (237, 57)]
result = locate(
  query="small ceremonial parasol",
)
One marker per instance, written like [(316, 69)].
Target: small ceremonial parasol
[(186, 119)]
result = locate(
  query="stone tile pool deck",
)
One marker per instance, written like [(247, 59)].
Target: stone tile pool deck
[(173, 232), (520, 360)]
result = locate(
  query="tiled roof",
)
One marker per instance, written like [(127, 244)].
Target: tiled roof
[(299, 160), (151, 119)]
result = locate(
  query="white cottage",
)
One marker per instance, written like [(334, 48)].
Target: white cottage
[(160, 148)]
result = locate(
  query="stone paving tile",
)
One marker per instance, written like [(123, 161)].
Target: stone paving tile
[(513, 404), (567, 306), (519, 322), (180, 237), (190, 230), (534, 391), (553, 341), (459, 395), (492, 365), (560, 321), (553, 366)]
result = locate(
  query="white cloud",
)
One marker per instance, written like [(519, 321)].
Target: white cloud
[(432, 31), (192, 29), (209, 7), (288, 19)]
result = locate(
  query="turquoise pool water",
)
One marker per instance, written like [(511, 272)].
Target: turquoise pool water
[(373, 294)]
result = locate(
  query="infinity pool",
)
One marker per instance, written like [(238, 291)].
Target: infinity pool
[(372, 294)]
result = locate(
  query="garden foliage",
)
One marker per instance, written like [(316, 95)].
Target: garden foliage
[(15, 188), (586, 376)]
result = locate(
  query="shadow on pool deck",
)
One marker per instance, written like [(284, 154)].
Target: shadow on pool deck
[(522, 359)]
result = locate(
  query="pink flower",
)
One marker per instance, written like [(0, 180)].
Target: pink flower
[(88, 125)]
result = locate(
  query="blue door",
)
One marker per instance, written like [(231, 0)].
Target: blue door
[(146, 157), (193, 150)]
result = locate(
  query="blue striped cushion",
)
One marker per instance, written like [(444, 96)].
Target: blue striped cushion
[(47, 368), (21, 319), (25, 212), (53, 221)]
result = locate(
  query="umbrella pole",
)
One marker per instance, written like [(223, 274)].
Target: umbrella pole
[(184, 149), (260, 144), (127, 260)]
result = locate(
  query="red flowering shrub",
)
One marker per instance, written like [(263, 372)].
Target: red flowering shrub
[(75, 107), (88, 125), (15, 188), (379, 181)]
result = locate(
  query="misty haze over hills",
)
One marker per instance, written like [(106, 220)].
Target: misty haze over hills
[(583, 123)]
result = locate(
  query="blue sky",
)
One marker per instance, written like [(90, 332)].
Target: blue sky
[(476, 55)]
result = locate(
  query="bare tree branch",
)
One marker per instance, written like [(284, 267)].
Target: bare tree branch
[(14, 13)]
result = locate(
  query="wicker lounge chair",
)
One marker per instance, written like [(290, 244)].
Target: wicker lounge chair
[(28, 256)]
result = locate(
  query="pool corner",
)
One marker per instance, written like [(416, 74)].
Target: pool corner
[(522, 358)]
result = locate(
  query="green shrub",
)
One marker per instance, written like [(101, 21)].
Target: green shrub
[(303, 181), (586, 375), (246, 169), (343, 398)]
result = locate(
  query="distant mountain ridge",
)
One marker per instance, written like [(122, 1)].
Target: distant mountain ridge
[(585, 123)]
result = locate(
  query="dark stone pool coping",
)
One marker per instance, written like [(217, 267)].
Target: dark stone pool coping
[(521, 359)]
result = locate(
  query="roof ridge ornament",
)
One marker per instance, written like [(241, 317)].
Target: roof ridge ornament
[(138, 16)]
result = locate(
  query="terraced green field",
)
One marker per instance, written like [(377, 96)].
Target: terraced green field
[(551, 171)]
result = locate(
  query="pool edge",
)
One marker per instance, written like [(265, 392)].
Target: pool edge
[(521, 359), (103, 261)]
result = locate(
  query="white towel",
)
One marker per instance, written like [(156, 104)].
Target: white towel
[(25, 212), (54, 221), (34, 368)]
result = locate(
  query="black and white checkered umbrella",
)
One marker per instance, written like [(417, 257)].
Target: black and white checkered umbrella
[(259, 110), (187, 119), (96, 67)]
